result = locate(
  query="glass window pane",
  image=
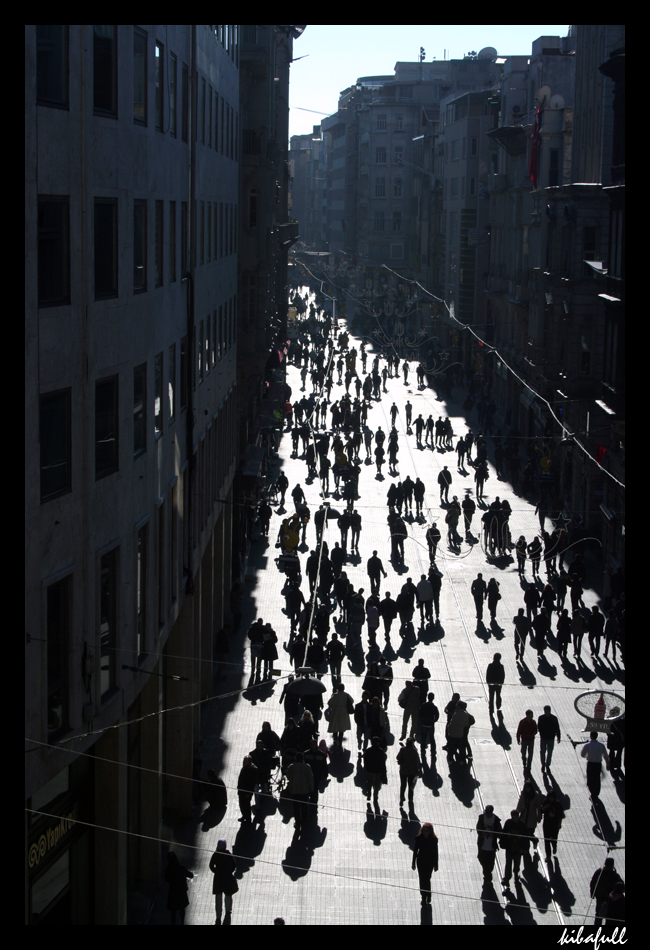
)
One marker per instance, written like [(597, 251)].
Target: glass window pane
[(139, 409), (55, 444), (105, 247), (108, 621), (140, 77), (52, 65), (106, 457)]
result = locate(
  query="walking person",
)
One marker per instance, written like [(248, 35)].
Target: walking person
[(176, 876), (425, 858), (489, 829), (374, 763), (514, 841), (493, 597), (375, 569), (429, 716), (552, 818), (409, 700), (469, 507), (594, 752), (529, 808), (425, 600), (548, 729), (521, 548), (246, 782), (444, 480), (433, 540), (409, 769), (224, 884), (522, 629), (341, 706), (418, 495), (300, 786), (563, 628), (526, 732), (494, 677), (479, 593), (602, 884)]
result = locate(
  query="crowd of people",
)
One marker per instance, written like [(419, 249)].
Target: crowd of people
[(330, 621)]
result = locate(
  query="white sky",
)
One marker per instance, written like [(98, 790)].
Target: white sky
[(337, 55)]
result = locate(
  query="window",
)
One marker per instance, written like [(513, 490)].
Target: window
[(139, 77), (105, 70), (454, 188), (454, 151), (209, 116), (379, 220), (105, 226), (171, 384), (221, 229), (183, 237), (472, 187), (160, 112), (380, 187), (173, 566), (380, 155), (381, 123), (55, 444), (222, 126), (216, 121), (108, 622), (206, 346), (59, 642), (554, 167), (396, 252), (252, 208), (106, 427), (209, 222), (474, 147), (141, 588), (397, 220), (53, 250), (183, 373), (397, 188), (172, 242), (398, 154), (585, 351), (139, 410), (213, 355), (159, 244), (185, 102), (158, 396), (399, 123), (203, 111), (139, 245), (221, 346), (202, 232), (464, 148), (52, 66), (173, 67), (200, 353)]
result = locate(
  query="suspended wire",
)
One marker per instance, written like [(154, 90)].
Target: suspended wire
[(249, 862)]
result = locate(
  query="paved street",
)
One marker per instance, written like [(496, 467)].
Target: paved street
[(353, 867)]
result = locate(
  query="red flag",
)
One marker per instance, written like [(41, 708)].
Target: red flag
[(600, 453), (533, 165)]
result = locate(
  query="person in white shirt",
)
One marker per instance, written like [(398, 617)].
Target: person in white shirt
[(594, 752)]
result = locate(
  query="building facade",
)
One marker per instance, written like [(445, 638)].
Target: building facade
[(131, 443)]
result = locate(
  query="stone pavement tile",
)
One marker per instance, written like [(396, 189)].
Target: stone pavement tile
[(348, 868)]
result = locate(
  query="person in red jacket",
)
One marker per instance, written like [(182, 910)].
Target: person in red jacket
[(526, 732)]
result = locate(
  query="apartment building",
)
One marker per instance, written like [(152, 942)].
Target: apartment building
[(131, 443)]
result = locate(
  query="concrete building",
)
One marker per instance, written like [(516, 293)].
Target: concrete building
[(556, 317), (307, 194), (266, 234), (131, 443)]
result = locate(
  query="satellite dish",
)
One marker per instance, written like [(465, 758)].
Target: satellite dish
[(543, 94), (557, 102), (488, 52)]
